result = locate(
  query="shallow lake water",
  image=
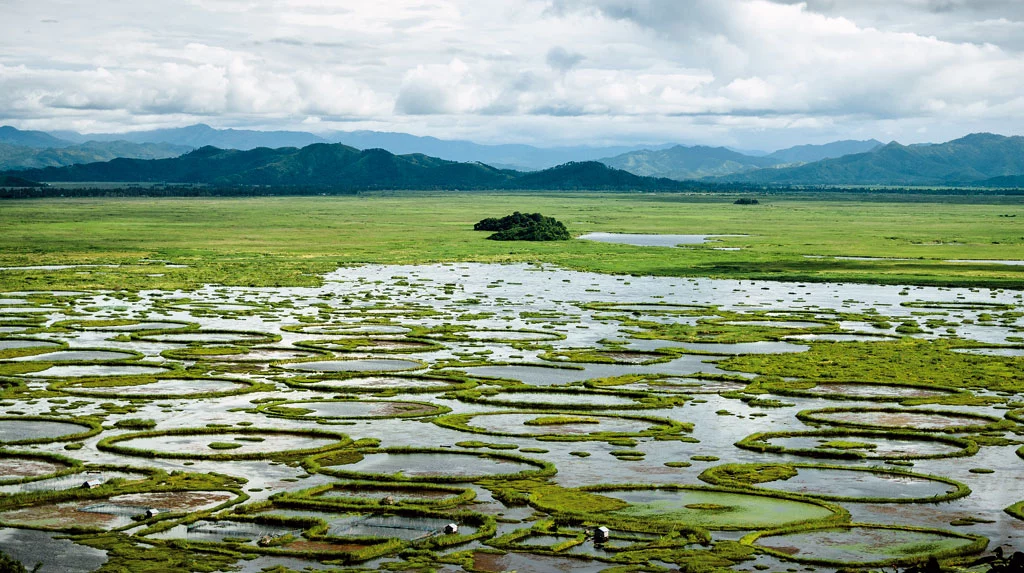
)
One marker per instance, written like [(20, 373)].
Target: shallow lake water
[(511, 320)]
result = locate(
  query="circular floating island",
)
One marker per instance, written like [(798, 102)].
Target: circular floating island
[(701, 506), (83, 356), (949, 421), (368, 344), (496, 335), (206, 336), (150, 387), (562, 426), (860, 444), (865, 545), (224, 443), (24, 467), (347, 329), (354, 365), (382, 493), (15, 347), (870, 391), (112, 512), (97, 370), (16, 430), (565, 399), (124, 325), (327, 410), (383, 383), (839, 483), (426, 464)]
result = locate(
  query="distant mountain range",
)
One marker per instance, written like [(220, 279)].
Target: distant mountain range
[(342, 167), (24, 157), (522, 157), (977, 159), (682, 162)]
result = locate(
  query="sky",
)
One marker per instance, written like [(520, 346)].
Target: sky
[(751, 74)]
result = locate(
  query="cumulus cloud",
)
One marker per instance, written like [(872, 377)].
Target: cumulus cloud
[(738, 72)]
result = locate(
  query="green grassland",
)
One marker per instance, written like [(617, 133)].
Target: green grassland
[(288, 241)]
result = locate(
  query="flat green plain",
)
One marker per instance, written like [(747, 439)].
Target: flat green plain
[(289, 241)]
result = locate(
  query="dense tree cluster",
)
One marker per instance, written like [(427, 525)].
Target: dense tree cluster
[(746, 201), (524, 227)]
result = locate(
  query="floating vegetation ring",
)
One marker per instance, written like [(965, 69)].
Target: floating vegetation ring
[(252, 440), (868, 391), (562, 399), (346, 328), (565, 426), (368, 344), (389, 383), (17, 347), (427, 465), (344, 495), (864, 545), (24, 467), (323, 411), (482, 335), (716, 508), (153, 387), (949, 421), (803, 479), (216, 336), (116, 504), (125, 325), (648, 307), (346, 367), (852, 444), (84, 356), (19, 430), (958, 305), (590, 356), (94, 369), (669, 384)]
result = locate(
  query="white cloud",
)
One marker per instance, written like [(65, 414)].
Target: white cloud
[(741, 72)]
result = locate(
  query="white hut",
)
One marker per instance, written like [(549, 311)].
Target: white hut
[(451, 529), (602, 534)]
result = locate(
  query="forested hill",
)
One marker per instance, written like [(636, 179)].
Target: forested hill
[(972, 160), (343, 167)]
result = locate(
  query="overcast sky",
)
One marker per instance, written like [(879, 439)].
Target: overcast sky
[(756, 74)]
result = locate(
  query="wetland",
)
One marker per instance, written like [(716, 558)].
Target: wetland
[(342, 412)]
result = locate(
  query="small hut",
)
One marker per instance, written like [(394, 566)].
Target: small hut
[(152, 512), (601, 534), (451, 529)]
